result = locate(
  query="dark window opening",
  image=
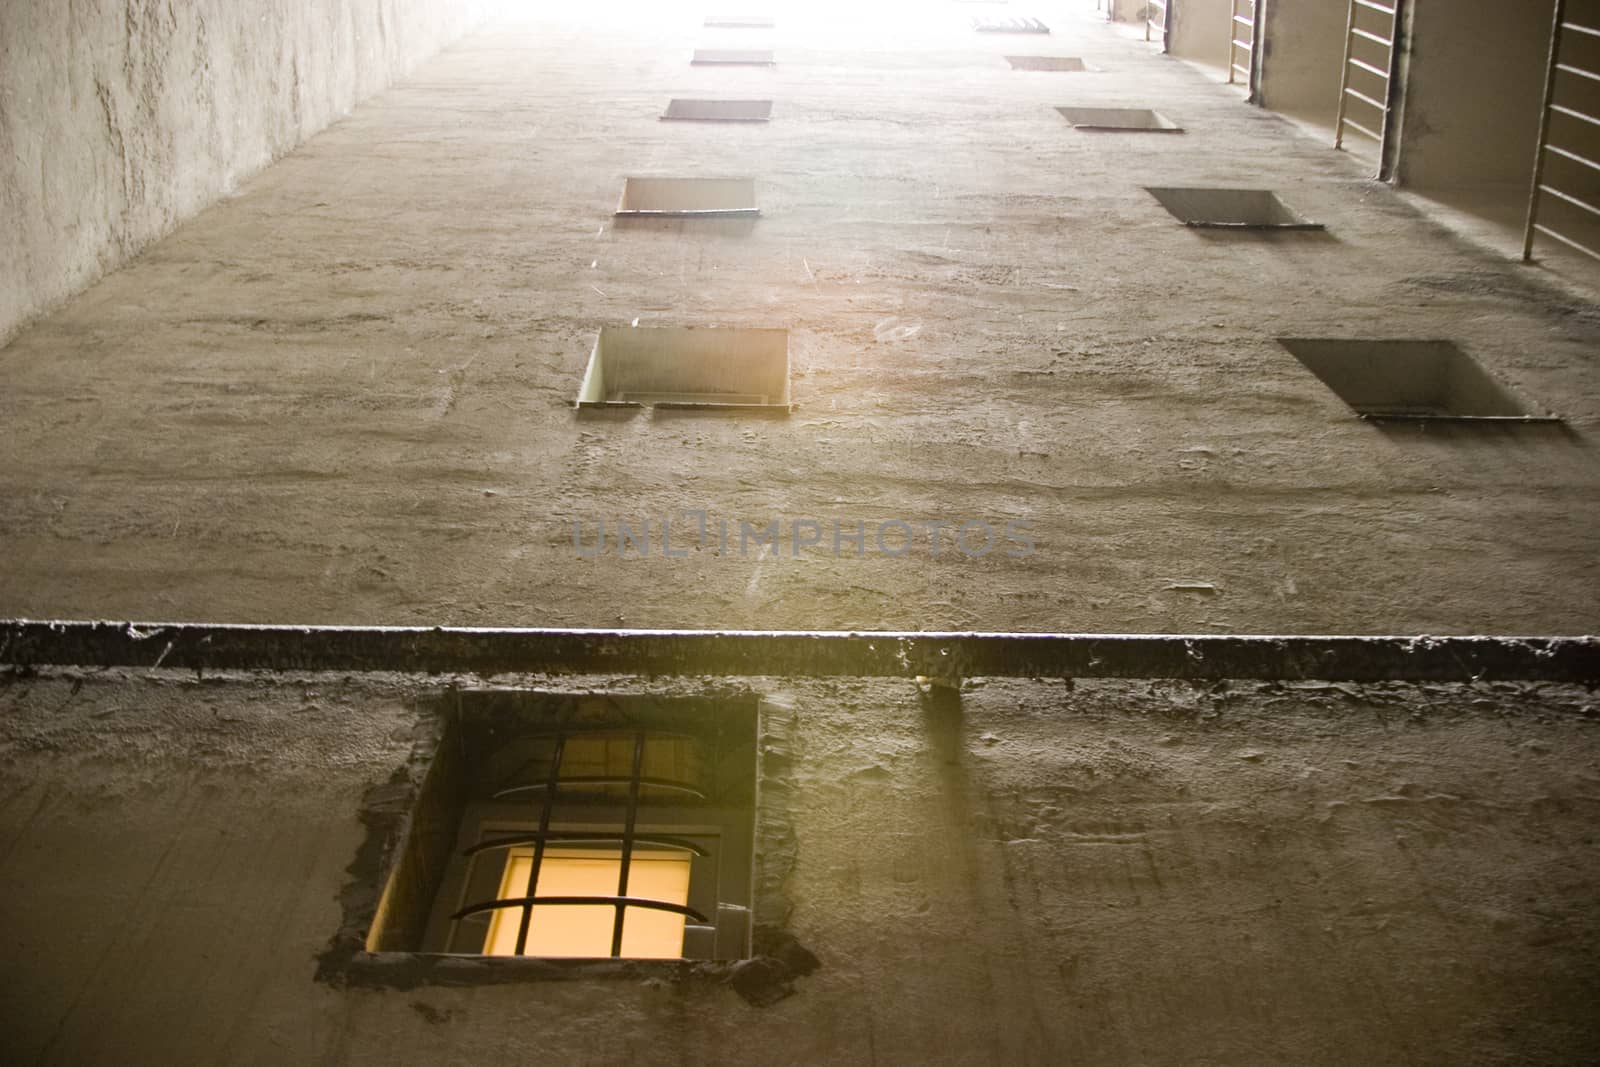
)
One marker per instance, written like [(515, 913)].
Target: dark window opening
[(564, 826), (1409, 380)]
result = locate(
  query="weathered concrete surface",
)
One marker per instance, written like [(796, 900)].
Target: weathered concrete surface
[(1474, 85), (121, 118), (344, 395), (1116, 873), (1304, 46)]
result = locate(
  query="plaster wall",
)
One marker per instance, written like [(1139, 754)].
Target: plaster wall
[(1200, 31), (1106, 874), (121, 118), (1475, 80), (1303, 46)]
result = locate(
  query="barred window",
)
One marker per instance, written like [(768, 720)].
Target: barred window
[(563, 826)]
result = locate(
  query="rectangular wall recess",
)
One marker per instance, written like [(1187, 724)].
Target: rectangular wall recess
[(1240, 209), (704, 367), (995, 24), (739, 22), (688, 198), (1410, 380), (718, 111), (1137, 119), (733, 57), (1061, 63)]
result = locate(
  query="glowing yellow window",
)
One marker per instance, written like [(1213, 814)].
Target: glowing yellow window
[(585, 929)]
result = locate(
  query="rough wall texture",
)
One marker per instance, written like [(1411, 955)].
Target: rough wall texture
[(1475, 79), (1303, 47), (1201, 31), (344, 396), (121, 118), (1112, 873)]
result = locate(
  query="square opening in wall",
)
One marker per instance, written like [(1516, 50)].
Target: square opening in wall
[(996, 24), (689, 197), (1240, 209), (1409, 380), (718, 110), (1061, 63), (739, 22), (695, 367), (1140, 119), (733, 57), (580, 826)]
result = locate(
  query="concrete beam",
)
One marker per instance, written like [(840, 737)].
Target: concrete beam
[(751, 653)]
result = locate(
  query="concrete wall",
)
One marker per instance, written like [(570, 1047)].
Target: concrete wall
[(1200, 31), (1118, 873), (1303, 44), (1476, 71), (121, 118)]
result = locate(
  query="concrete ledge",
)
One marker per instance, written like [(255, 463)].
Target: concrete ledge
[(754, 653)]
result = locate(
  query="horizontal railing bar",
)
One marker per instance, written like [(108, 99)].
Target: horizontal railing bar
[(1570, 69), (1374, 5), (1569, 198), (1244, 20), (1575, 28), (627, 902), (1591, 164), (1242, 46), (582, 837), (1575, 114), (1373, 37), (598, 779), (1548, 232), (1241, 70), (1354, 125), (29, 643), (1369, 68), (1364, 98)]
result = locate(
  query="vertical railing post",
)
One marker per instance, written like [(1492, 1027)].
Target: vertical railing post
[(1544, 130)]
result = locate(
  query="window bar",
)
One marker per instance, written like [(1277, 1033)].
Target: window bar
[(1383, 102), (596, 837), (627, 844), (552, 785), (653, 783), (1540, 187), (1152, 24)]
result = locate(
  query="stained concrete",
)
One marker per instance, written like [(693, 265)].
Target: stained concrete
[(1116, 872), (1303, 47), (344, 395), (119, 119)]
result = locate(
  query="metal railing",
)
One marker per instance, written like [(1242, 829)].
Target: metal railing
[(1570, 164), (1152, 6), (1242, 35), (1371, 58)]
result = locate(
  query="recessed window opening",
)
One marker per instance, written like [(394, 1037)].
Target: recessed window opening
[(1057, 63), (688, 197), (1410, 380), (581, 827), (718, 110), (1119, 118), (995, 24), (1242, 209), (688, 367), (732, 57)]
